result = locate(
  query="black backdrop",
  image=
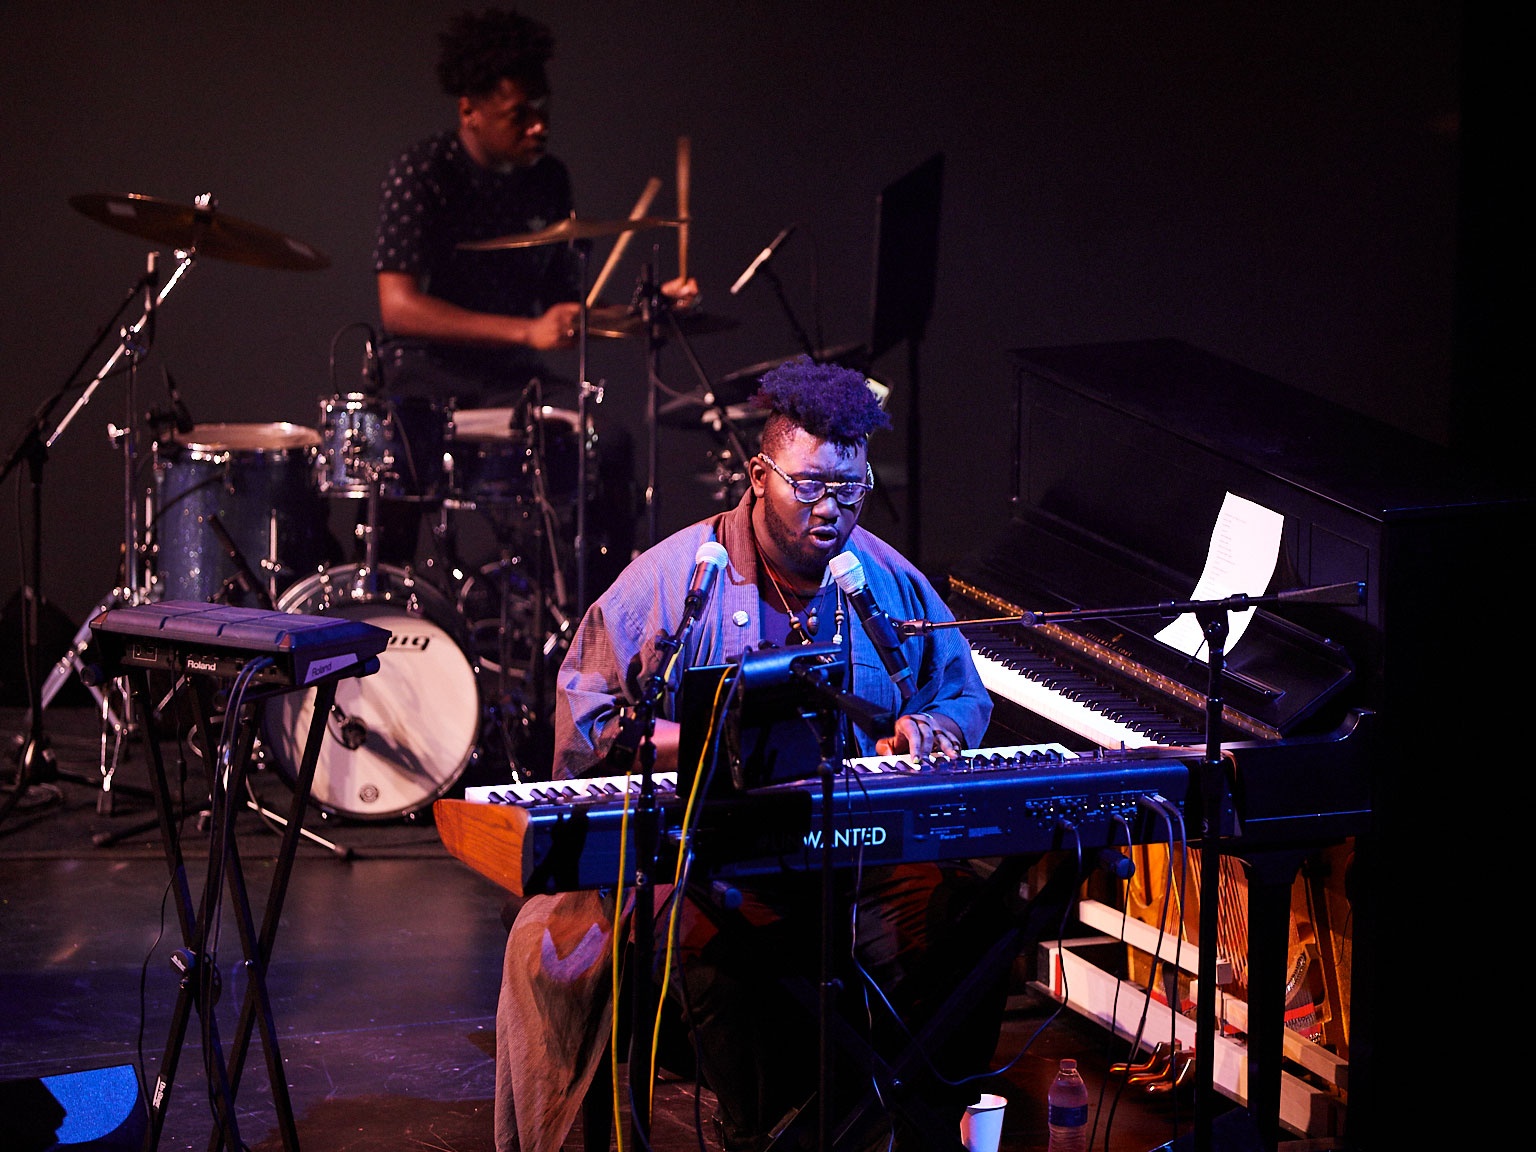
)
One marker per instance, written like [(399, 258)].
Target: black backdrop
[(1274, 183)]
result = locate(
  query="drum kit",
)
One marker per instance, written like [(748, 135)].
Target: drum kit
[(240, 513)]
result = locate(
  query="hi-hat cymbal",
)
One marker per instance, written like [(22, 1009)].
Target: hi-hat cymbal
[(204, 231), (705, 412), (734, 387), (617, 321), (563, 231)]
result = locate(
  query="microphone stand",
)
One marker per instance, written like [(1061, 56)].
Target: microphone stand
[(1212, 794), (866, 716), (35, 761), (794, 321), (636, 734)]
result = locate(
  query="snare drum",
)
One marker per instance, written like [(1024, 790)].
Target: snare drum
[(396, 444), (258, 480), (400, 738), (494, 461)]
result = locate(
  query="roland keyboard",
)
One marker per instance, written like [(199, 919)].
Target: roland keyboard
[(219, 640), (565, 835)]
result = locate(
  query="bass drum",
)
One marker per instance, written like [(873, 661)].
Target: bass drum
[(399, 739)]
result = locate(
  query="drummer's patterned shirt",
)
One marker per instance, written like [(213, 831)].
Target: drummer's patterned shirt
[(434, 198)]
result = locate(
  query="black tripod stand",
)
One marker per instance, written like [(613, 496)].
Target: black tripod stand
[(37, 767)]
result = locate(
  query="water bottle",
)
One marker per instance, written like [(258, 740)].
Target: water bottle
[(1067, 1110)]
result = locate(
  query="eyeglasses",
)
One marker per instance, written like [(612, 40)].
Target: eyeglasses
[(848, 493)]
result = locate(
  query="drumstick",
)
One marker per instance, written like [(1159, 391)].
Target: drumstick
[(684, 146), (642, 205)]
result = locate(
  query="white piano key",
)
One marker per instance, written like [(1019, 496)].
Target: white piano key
[(1070, 714)]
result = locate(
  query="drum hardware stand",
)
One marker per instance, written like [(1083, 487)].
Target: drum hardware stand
[(656, 312), (369, 529), (586, 394), (513, 581), (36, 763), (244, 580)]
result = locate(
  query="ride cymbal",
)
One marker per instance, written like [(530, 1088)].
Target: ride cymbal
[(203, 231), (564, 231)]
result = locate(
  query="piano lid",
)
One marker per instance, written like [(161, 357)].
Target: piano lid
[(1137, 442)]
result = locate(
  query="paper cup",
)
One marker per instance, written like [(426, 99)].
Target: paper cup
[(982, 1125)]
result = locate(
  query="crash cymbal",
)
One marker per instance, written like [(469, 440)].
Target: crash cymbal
[(204, 231), (569, 229), (617, 321)]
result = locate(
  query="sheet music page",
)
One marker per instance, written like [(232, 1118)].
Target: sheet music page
[(1245, 545)]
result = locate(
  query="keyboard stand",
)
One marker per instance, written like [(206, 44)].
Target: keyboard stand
[(199, 986)]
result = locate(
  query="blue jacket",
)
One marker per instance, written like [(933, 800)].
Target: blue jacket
[(614, 646)]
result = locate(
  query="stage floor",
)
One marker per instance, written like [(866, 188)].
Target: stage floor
[(384, 978)]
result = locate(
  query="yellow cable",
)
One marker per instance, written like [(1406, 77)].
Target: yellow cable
[(677, 876), (618, 921)]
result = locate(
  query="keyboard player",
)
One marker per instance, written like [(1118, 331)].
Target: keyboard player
[(758, 1046)]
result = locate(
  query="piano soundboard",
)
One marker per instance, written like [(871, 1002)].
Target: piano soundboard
[(564, 835)]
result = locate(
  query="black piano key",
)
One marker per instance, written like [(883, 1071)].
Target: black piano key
[(1082, 687)]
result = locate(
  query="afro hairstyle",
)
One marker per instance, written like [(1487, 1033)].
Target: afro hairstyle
[(827, 400), (478, 49)]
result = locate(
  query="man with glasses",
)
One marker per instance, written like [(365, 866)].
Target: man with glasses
[(758, 1046)]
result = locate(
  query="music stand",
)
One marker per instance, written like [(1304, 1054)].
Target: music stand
[(901, 299)]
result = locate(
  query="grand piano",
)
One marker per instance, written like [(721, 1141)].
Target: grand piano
[(1124, 455)]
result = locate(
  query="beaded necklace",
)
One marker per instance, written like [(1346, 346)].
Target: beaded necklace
[(807, 628)]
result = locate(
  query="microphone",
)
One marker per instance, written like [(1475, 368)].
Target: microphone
[(762, 258), (849, 574), (707, 562), (371, 379), (151, 285), (178, 407)]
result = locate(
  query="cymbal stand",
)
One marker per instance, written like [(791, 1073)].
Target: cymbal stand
[(586, 393), (656, 311), (36, 763), (531, 705)]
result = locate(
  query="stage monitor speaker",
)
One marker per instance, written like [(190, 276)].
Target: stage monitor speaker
[(99, 1110)]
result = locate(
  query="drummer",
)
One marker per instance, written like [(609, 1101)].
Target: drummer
[(469, 326)]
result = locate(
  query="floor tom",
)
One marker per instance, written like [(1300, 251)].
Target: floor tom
[(257, 480)]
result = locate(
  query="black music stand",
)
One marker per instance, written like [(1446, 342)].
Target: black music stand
[(901, 300), (198, 987)]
